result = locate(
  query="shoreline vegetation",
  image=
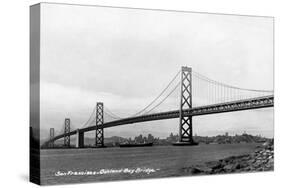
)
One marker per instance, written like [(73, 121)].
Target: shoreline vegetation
[(260, 160)]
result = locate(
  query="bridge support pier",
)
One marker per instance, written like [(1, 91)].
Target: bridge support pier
[(99, 122), (66, 130), (185, 122), (79, 139), (52, 135)]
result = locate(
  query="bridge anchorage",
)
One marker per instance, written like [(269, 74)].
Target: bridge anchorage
[(79, 139)]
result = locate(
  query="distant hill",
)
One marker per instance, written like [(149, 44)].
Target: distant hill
[(225, 139)]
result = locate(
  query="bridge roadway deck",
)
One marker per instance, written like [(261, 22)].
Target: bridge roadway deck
[(239, 105)]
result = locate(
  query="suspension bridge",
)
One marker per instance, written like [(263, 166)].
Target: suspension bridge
[(188, 94)]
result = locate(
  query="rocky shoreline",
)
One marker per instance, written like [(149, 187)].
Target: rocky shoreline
[(261, 160)]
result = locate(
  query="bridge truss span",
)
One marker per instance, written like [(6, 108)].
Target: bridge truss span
[(253, 103)]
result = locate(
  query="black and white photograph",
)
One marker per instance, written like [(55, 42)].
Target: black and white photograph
[(131, 93)]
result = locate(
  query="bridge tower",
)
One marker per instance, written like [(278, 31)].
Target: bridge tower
[(66, 130), (185, 122), (99, 122), (52, 135)]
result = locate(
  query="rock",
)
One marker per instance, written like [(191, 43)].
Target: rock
[(214, 164), (248, 157), (200, 169), (266, 144), (260, 160), (268, 165), (229, 159), (253, 155), (222, 162), (244, 165), (205, 169), (236, 166), (251, 161), (271, 161), (218, 171), (228, 167), (256, 165), (194, 171), (259, 169)]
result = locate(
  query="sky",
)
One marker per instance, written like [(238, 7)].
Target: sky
[(125, 57)]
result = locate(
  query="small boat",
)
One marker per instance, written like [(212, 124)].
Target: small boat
[(136, 144)]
